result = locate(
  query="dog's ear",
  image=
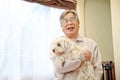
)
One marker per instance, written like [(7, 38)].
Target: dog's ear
[(65, 44), (68, 45)]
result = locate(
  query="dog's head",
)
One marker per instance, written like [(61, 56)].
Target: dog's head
[(61, 45)]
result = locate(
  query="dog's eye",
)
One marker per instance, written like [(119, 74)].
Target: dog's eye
[(58, 44)]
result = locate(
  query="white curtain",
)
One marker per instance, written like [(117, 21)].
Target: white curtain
[(26, 32)]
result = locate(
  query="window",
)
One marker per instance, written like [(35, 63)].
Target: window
[(26, 32)]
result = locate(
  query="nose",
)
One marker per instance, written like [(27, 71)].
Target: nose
[(53, 50), (69, 22)]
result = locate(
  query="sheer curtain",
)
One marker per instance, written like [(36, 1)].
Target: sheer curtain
[(26, 32)]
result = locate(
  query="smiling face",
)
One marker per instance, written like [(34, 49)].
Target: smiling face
[(70, 25)]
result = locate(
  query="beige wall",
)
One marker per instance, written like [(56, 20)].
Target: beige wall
[(115, 14), (96, 21)]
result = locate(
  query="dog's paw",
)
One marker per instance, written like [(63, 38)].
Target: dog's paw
[(62, 61)]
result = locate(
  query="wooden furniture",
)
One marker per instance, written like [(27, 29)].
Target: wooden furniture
[(108, 70)]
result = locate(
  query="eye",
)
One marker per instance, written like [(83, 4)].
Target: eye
[(58, 44)]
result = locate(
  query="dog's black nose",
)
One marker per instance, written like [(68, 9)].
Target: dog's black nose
[(53, 50)]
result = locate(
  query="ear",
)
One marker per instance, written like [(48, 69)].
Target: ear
[(65, 44), (68, 45)]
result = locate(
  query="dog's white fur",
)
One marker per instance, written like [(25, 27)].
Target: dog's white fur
[(67, 49)]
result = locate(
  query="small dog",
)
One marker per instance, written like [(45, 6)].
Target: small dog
[(68, 49)]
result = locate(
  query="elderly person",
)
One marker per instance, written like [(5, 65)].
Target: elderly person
[(70, 26)]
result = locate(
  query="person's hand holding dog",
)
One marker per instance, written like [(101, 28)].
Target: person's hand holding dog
[(85, 55)]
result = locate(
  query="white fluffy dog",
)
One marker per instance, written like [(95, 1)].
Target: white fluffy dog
[(68, 49)]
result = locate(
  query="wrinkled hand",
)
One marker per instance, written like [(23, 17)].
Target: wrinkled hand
[(85, 55), (88, 55)]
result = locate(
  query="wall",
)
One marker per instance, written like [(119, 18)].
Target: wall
[(97, 24), (115, 14)]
